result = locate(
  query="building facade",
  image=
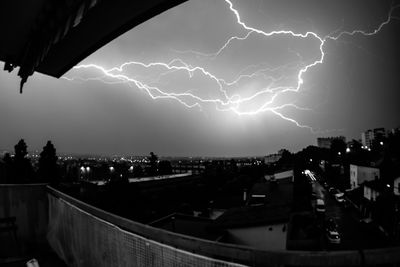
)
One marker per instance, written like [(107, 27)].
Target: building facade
[(325, 142), (370, 136), (361, 174)]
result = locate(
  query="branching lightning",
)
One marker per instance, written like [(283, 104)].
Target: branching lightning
[(226, 101)]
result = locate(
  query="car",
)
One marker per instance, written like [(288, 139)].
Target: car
[(333, 236), (340, 197), (332, 233), (320, 206), (335, 191)]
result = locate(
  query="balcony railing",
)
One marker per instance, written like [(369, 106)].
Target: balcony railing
[(83, 235)]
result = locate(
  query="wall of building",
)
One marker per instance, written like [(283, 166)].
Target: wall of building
[(281, 175), (28, 203), (360, 174), (370, 193), (262, 237), (396, 186)]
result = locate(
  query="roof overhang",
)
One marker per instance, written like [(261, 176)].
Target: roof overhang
[(51, 37)]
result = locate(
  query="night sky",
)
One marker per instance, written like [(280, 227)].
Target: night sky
[(355, 88)]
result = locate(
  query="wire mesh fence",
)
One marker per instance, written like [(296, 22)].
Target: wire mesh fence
[(82, 239)]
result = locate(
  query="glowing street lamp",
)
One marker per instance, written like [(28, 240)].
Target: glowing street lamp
[(111, 169), (348, 150)]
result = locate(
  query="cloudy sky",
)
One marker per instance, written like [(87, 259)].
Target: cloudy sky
[(191, 89)]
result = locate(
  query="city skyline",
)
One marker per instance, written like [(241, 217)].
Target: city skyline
[(338, 96)]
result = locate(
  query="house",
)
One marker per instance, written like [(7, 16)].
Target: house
[(262, 223), (262, 227), (360, 174)]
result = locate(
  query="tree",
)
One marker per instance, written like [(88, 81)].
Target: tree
[(153, 164), (20, 150), (48, 168), (22, 165)]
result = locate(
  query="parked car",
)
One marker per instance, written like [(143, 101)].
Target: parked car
[(333, 236), (320, 206), (332, 233), (340, 197)]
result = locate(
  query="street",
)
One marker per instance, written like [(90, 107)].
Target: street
[(353, 234)]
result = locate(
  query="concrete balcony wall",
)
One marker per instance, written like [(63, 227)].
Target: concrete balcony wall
[(28, 203), (83, 235)]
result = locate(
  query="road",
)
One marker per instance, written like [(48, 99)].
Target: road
[(353, 234)]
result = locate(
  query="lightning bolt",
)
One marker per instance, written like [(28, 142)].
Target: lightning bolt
[(224, 101)]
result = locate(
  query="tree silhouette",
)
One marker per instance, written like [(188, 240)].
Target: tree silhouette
[(22, 165), (153, 164), (48, 168)]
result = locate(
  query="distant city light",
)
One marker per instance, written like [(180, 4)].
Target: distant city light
[(82, 169), (348, 150), (111, 169), (381, 143), (310, 160), (369, 149), (388, 185), (88, 169), (339, 153)]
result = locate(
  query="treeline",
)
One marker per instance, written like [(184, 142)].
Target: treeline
[(18, 168)]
